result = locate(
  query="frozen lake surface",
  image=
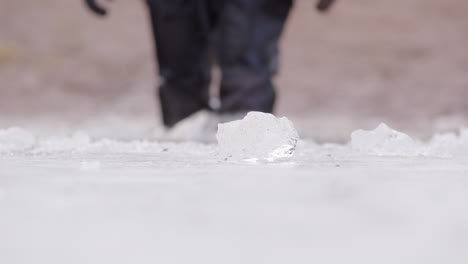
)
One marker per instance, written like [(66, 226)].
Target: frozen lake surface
[(78, 199), (84, 199)]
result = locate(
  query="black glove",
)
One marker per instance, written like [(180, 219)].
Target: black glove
[(324, 5), (96, 8)]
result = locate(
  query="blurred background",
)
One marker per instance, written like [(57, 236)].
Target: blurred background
[(400, 62)]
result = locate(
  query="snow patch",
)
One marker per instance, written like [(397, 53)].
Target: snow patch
[(15, 139), (259, 136), (384, 141), (79, 141)]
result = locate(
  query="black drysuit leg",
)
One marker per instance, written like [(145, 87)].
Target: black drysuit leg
[(247, 47), (181, 37), (248, 53)]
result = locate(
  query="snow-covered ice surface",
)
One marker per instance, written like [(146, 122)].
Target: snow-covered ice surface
[(79, 199)]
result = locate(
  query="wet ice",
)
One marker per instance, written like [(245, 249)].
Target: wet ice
[(259, 136)]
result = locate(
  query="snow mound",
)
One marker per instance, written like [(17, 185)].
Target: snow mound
[(79, 141), (449, 144), (259, 136), (384, 141), (15, 139)]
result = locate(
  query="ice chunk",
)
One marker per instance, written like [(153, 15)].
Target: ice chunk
[(15, 139), (259, 136), (384, 141)]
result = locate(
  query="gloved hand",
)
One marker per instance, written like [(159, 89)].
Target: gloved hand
[(96, 7), (324, 5)]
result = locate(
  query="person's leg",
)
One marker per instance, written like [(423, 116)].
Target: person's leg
[(181, 37), (248, 53)]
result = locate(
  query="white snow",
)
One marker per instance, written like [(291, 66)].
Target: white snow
[(78, 199), (449, 144), (15, 139), (79, 141), (259, 136)]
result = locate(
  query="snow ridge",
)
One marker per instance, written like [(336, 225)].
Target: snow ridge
[(274, 139)]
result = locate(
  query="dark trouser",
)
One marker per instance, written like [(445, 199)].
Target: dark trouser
[(246, 48)]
